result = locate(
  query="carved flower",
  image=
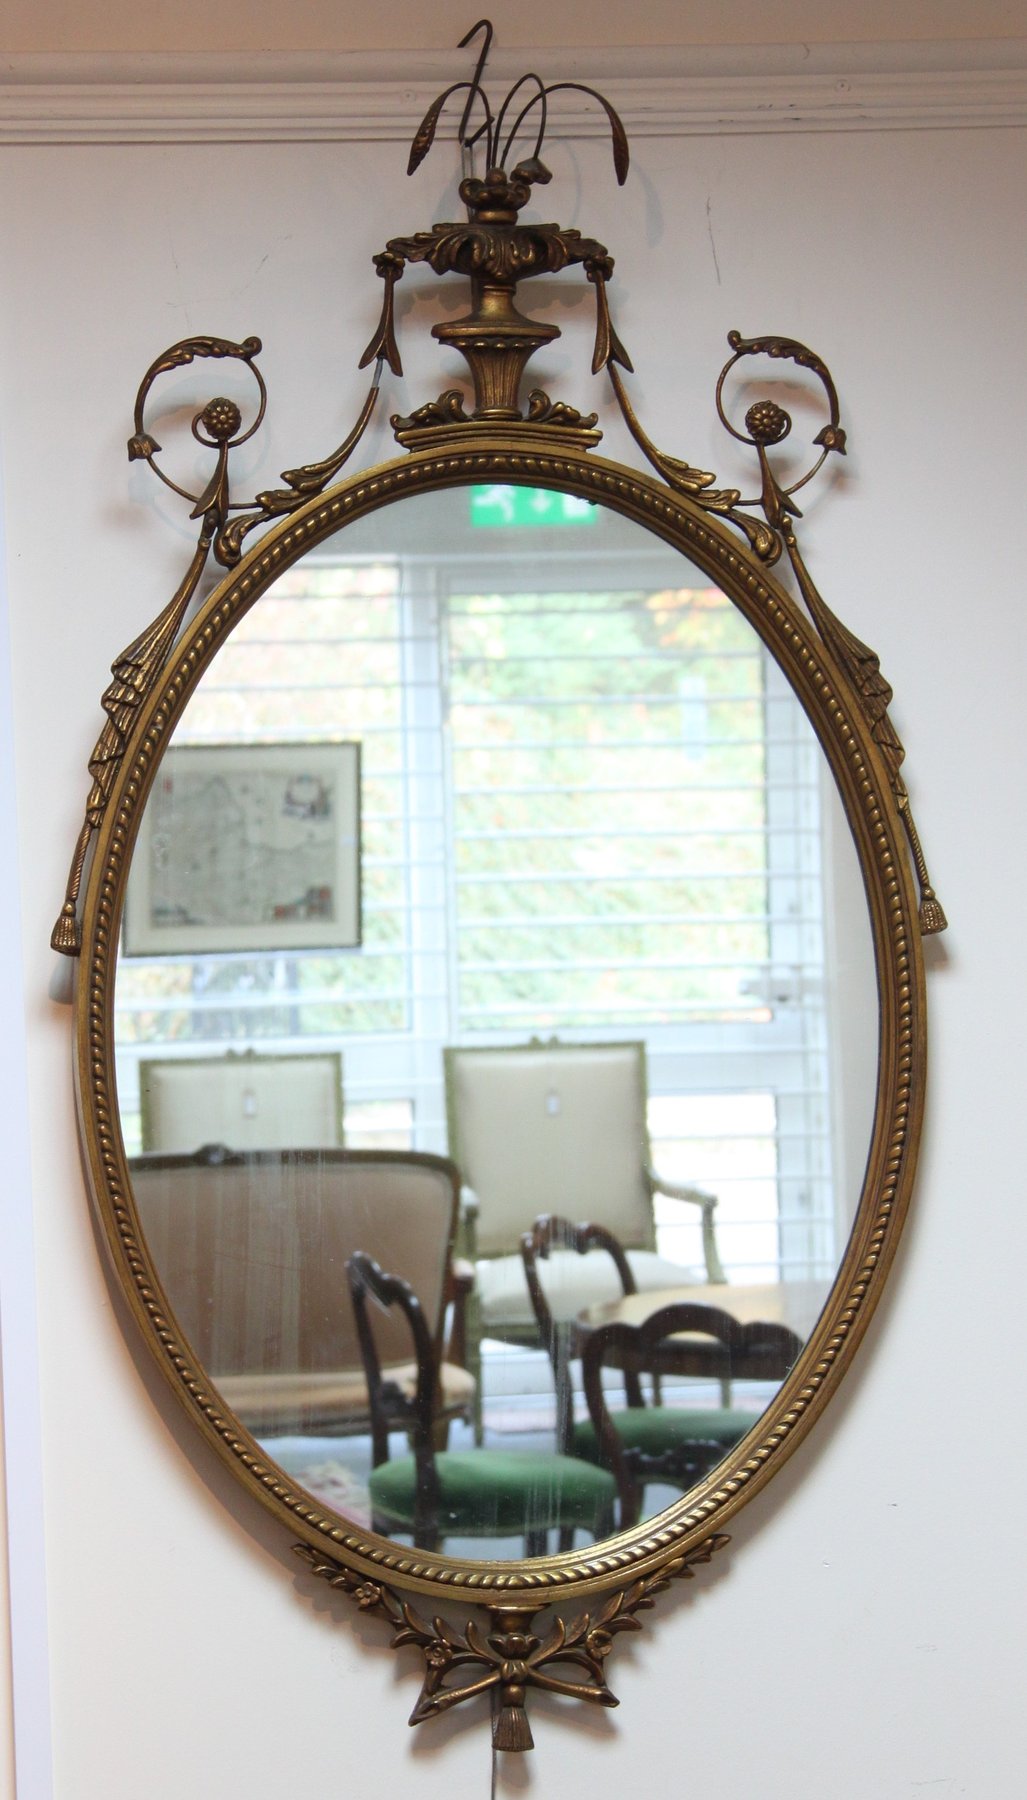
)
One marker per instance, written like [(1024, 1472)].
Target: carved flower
[(438, 1655), (142, 445), (515, 1644), (368, 1594), (498, 190), (532, 170), (767, 422), (221, 418), (598, 1642), (832, 438)]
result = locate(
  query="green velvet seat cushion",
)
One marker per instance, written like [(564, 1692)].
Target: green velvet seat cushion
[(499, 1493), (655, 1428)]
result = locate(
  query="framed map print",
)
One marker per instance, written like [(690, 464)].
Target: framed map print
[(248, 847)]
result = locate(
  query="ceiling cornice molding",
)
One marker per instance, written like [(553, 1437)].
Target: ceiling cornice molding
[(336, 96)]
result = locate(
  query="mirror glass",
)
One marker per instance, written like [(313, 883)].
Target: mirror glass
[(493, 832)]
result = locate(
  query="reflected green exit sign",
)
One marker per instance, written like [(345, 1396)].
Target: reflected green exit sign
[(518, 506)]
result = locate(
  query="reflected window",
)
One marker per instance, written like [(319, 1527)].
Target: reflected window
[(590, 808)]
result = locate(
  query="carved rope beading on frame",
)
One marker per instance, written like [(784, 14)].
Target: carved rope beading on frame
[(891, 1161)]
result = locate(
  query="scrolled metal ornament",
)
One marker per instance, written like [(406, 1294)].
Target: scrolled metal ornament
[(767, 424), (218, 426), (302, 484), (698, 484)]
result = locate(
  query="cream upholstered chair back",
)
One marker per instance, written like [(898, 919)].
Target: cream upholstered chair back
[(252, 1249), (555, 1128), (247, 1100)]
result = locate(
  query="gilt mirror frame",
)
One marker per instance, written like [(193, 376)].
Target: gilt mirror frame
[(839, 684)]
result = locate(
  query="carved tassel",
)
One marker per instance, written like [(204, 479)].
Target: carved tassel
[(510, 1729), (134, 674), (862, 669), (931, 913), (66, 935)]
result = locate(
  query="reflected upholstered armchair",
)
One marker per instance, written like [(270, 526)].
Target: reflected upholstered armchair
[(436, 1495), (252, 1251), (557, 1128), (253, 1102)]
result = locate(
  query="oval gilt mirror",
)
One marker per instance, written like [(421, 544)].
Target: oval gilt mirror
[(500, 1028), (588, 808)]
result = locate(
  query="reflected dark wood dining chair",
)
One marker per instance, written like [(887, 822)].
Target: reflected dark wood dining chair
[(477, 1493), (545, 1251), (676, 1446)]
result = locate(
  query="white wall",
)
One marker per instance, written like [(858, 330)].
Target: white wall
[(241, 25), (861, 1636)]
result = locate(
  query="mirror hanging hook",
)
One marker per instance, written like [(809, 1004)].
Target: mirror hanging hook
[(486, 26)]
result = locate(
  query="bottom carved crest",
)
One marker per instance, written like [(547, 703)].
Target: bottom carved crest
[(509, 1656)]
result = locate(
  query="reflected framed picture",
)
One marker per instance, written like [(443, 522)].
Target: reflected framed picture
[(248, 847)]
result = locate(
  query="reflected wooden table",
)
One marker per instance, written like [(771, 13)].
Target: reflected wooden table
[(794, 1305)]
